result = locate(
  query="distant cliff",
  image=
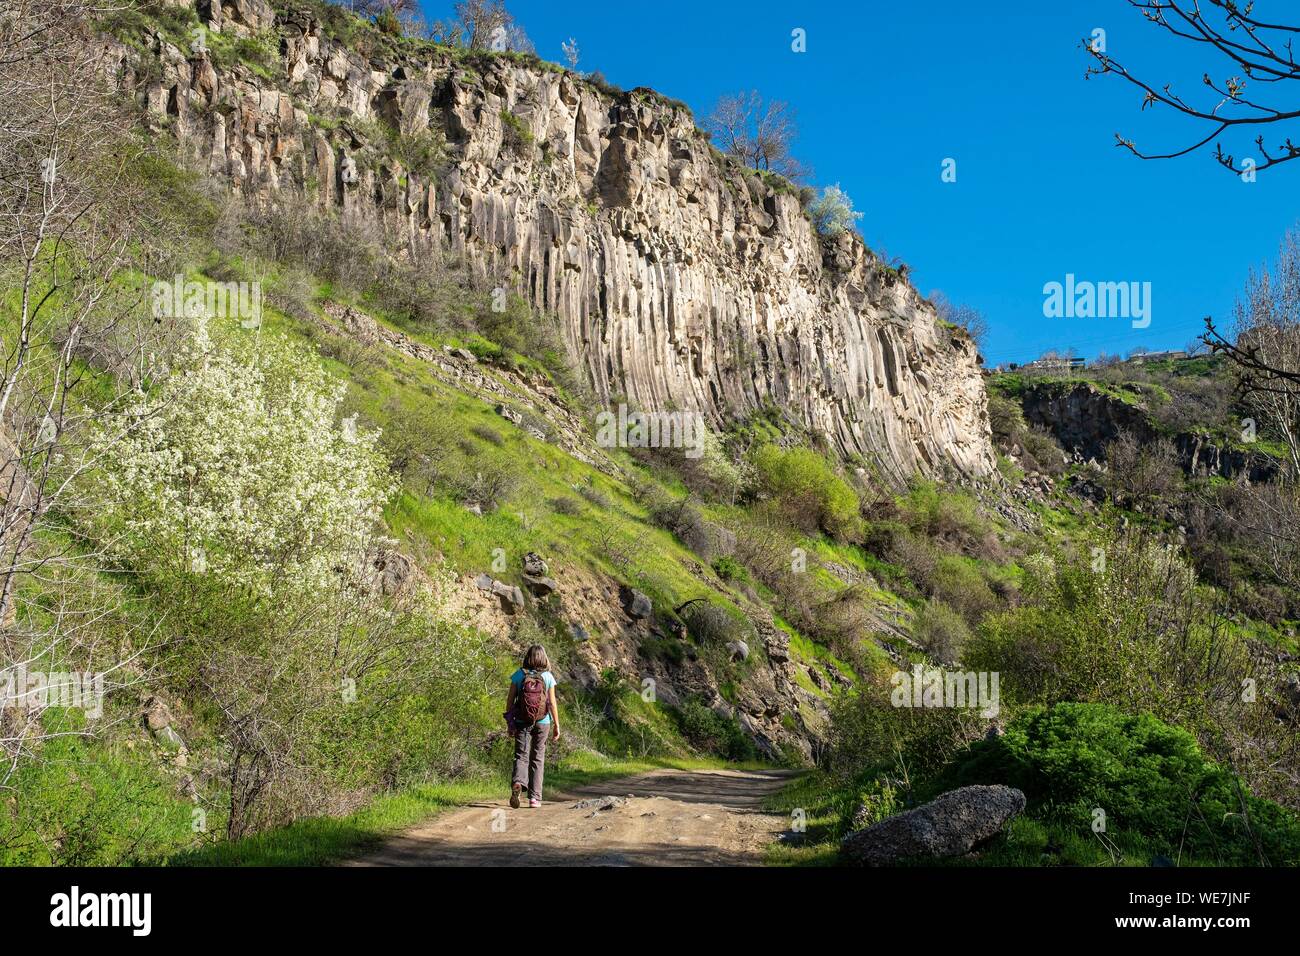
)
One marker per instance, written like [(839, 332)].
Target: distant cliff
[(681, 279)]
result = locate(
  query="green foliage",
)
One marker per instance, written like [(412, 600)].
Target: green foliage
[(87, 803), (808, 490), (729, 569), (260, 53), (711, 732), (1123, 622), (517, 135), (941, 631), (1150, 780), (876, 801)]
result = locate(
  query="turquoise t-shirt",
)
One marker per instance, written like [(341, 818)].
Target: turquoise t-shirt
[(517, 678)]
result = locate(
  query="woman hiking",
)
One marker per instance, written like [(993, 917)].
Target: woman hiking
[(531, 713)]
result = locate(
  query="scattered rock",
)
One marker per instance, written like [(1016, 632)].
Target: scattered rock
[(778, 647), (158, 720), (396, 571), (637, 605), (157, 715), (597, 804), (739, 650), (512, 599), (579, 633), (535, 578), (465, 355), (950, 825)]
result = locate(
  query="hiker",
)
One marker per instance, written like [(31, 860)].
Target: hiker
[(530, 714)]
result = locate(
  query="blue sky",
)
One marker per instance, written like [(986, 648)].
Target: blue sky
[(887, 91)]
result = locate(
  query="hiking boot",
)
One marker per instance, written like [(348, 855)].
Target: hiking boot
[(514, 796), (534, 804)]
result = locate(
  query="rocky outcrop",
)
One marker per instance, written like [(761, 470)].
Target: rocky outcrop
[(681, 280), (1085, 419), (951, 825)]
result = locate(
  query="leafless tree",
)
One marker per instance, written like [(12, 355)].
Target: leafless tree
[(72, 214), (757, 133), (483, 25), (570, 48), (1252, 50), (1268, 333), (964, 316)]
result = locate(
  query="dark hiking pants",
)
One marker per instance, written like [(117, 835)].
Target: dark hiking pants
[(530, 758)]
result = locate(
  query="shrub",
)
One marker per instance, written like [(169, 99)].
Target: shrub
[(832, 212), (808, 490), (1150, 779), (729, 569), (941, 631), (1122, 622), (711, 732), (249, 516), (489, 435), (710, 624), (517, 136), (228, 457), (566, 506), (960, 584)]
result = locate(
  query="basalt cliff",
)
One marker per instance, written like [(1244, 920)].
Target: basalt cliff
[(681, 280)]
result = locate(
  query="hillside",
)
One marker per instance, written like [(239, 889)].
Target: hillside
[(676, 277)]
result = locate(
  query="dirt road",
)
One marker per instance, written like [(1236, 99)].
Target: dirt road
[(663, 818)]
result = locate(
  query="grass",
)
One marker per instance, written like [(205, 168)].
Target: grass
[(822, 805)]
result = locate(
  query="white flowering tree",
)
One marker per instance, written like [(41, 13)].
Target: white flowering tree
[(832, 212), (236, 467), (250, 513)]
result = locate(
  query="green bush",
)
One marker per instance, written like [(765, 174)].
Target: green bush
[(710, 624), (88, 803), (711, 732), (1124, 622), (941, 631), (809, 491), (960, 584), (1150, 779), (729, 569)]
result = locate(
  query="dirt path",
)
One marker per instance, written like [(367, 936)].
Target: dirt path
[(663, 818)]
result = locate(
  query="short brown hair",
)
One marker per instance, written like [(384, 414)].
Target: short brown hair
[(535, 659)]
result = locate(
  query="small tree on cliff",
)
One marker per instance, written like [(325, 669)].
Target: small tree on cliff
[(832, 212), (757, 133), (483, 25), (963, 316)]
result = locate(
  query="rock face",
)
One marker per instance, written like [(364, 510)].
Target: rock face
[(1086, 419), (950, 825), (681, 280)]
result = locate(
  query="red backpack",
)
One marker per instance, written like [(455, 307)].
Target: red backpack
[(532, 700)]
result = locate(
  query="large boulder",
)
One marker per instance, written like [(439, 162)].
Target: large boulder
[(637, 605), (535, 578), (950, 825)]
